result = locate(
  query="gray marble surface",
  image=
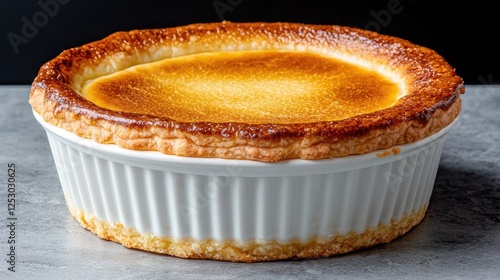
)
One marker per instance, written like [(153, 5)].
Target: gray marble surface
[(458, 239)]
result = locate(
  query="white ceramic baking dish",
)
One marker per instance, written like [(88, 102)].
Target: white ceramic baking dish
[(239, 210)]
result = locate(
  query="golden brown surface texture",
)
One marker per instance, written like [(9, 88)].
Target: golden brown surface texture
[(245, 86), (428, 91)]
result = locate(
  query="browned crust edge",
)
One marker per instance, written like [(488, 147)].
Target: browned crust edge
[(432, 102), (252, 250)]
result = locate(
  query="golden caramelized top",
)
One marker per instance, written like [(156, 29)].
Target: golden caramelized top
[(255, 87), (257, 90)]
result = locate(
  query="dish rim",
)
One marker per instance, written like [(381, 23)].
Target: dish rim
[(156, 160)]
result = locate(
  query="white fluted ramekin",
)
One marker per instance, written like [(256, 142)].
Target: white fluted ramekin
[(240, 210)]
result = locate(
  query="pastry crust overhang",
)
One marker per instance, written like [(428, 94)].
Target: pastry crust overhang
[(430, 101)]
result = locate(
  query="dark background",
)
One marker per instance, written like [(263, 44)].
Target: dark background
[(32, 32)]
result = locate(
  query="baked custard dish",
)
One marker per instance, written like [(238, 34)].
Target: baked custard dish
[(285, 97)]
